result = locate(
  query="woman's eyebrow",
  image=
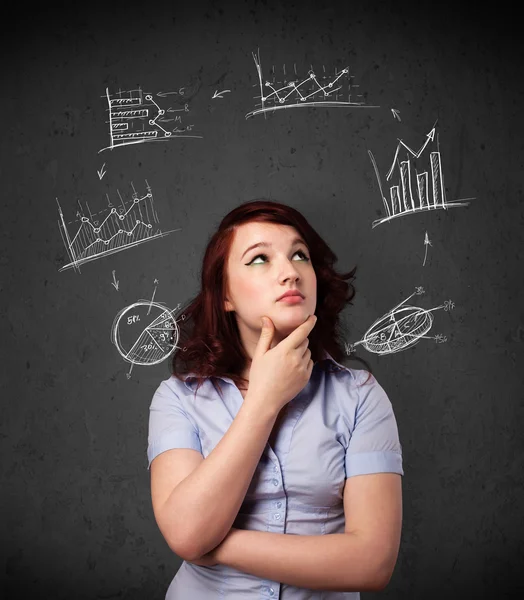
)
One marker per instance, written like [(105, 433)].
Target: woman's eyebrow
[(267, 244)]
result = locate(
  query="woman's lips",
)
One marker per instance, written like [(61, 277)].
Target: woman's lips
[(292, 299)]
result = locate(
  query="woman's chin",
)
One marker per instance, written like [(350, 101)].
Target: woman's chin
[(285, 326)]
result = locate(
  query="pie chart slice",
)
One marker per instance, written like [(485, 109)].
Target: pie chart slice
[(147, 345)]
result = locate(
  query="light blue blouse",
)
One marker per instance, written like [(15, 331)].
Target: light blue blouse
[(337, 427)]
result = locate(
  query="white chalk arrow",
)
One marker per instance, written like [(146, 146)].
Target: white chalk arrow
[(396, 114), (217, 94), (429, 138), (115, 283), (154, 292), (427, 242), (101, 173)]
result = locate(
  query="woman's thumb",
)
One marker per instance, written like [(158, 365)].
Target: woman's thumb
[(267, 324), (266, 335)]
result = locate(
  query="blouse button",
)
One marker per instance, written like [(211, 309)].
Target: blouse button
[(277, 516), (275, 481), (279, 504), (271, 591)]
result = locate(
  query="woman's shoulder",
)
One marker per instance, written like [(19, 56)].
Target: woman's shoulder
[(353, 375), (174, 386)]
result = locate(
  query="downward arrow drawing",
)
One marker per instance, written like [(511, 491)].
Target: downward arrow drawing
[(101, 173), (217, 94), (396, 114), (115, 282)]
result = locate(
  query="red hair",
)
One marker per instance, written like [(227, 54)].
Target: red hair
[(209, 343)]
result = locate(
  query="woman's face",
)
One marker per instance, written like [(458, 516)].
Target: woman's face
[(257, 277)]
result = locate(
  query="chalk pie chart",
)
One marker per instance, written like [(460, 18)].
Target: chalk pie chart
[(398, 331), (145, 333)]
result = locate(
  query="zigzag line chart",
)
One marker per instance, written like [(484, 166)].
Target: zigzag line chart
[(317, 89), (132, 223)]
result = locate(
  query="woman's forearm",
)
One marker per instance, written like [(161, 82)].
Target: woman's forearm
[(332, 562), (203, 507)]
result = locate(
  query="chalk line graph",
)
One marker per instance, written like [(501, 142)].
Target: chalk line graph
[(131, 223), (317, 88)]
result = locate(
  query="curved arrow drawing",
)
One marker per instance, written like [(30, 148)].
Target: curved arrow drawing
[(217, 94)]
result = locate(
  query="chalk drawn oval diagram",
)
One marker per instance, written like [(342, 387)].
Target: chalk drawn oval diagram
[(145, 333), (398, 331)]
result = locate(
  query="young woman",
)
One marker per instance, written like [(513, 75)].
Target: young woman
[(284, 481)]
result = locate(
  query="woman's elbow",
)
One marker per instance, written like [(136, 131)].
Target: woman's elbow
[(185, 551), (382, 576)]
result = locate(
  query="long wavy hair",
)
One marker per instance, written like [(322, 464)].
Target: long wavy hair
[(209, 342)]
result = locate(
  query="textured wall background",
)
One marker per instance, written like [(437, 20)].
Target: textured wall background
[(78, 520)]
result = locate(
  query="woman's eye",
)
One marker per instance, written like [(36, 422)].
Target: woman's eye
[(305, 257)]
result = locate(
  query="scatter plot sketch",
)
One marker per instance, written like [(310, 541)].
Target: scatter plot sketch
[(136, 117), (145, 333), (419, 191), (110, 230), (400, 328), (317, 88)]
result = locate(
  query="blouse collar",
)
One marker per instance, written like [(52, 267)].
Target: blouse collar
[(190, 377)]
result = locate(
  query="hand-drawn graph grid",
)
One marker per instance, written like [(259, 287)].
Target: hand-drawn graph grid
[(113, 229), (318, 87)]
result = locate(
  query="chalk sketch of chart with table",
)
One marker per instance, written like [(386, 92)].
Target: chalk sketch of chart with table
[(135, 117)]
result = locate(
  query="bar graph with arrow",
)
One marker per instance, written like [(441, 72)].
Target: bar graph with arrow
[(413, 191)]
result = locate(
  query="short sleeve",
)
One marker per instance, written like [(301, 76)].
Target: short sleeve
[(169, 424), (374, 446)]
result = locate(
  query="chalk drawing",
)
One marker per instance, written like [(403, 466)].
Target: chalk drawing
[(314, 88), (402, 198), (135, 117), (111, 229), (400, 328)]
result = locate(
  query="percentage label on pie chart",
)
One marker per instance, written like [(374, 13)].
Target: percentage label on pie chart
[(145, 333)]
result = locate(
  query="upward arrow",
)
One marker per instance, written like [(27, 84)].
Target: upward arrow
[(429, 138), (396, 114)]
